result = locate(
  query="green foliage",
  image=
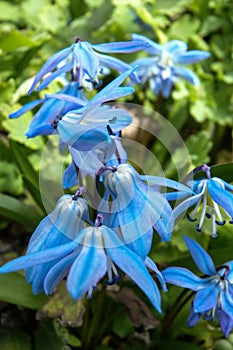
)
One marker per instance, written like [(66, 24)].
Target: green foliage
[(15, 290)]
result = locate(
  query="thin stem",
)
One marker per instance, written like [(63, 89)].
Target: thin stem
[(158, 102), (179, 303)]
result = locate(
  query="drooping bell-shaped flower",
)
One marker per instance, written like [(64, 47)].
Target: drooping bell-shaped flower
[(95, 252), (163, 68), (135, 206), (60, 227), (52, 110)]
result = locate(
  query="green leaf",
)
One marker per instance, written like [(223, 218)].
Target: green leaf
[(199, 146), (222, 344), (30, 176), (16, 210), (9, 12), (18, 127), (52, 17), (46, 338), (13, 39), (184, 28), (201, 111), (15, 290), (14, 339), (122, 325)]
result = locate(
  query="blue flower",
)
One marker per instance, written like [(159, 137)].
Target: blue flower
[(60, 227), (53, 109), (161, 70), (95, 252), (85, 62), (92, 131), (136, 206), (214, 195), (214, 291)]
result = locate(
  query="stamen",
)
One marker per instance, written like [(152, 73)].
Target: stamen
[(112, 269), (214, 229), (198, 227), (220, 223), (217, 211), (190, 218), (111, 133)]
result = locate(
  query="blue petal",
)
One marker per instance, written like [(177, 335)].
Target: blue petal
[(184, 278), (221, 196), (46, 81), (86, 58), (190, 57), (89, 267), (78, 102), (70, 178), (166, 87), (163, 181), (201, 258), (150, 46), (226, 184), (175, 46), (50, 65), (225, 321), (185, 205), (82, 137), (226, 301), (193, 318), (142, 245), (38, 258), (186, 74), (206, 298), (111, 94), (88, 162), (120, 66), (59, 271), (27, 107), (120, 47), (152, 266), (132, 265)]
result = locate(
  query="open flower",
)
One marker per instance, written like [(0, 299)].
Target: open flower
[(214, 195), (85, 62), (95, 252), (214, 291), (162, 69), (52, 110)]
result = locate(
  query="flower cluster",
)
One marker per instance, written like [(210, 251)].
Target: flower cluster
[(83, 247)]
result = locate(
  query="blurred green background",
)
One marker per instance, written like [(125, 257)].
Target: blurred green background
[(31, 31)]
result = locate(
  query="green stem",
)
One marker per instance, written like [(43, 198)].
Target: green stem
[(96, 319), (180, 302), (158, 102)]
